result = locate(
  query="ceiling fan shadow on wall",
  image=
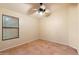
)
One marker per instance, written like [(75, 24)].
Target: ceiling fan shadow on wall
[(40, 10)]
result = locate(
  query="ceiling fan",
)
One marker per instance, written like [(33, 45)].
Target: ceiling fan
[(40, 10)]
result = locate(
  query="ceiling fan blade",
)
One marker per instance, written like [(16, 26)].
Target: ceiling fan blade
[(35, 9), (30, 12)]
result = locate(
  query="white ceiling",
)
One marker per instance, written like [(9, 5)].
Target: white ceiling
[(19, 7), (24, 7)]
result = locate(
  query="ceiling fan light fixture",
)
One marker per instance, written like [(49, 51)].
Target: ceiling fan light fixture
[(39, 13), (42, 11)]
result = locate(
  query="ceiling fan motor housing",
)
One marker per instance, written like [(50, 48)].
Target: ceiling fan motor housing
[(41, 10)]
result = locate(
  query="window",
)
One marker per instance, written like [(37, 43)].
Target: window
[(10, 27)]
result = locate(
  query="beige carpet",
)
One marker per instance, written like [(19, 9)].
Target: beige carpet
[(41, 47)]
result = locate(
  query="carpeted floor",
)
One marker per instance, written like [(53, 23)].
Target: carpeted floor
[(41, 47)]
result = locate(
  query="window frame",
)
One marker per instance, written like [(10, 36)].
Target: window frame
[(10, 27)]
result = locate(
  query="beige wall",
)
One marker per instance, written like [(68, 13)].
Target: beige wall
[(28, 29), (53, 28), (73, 26)]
